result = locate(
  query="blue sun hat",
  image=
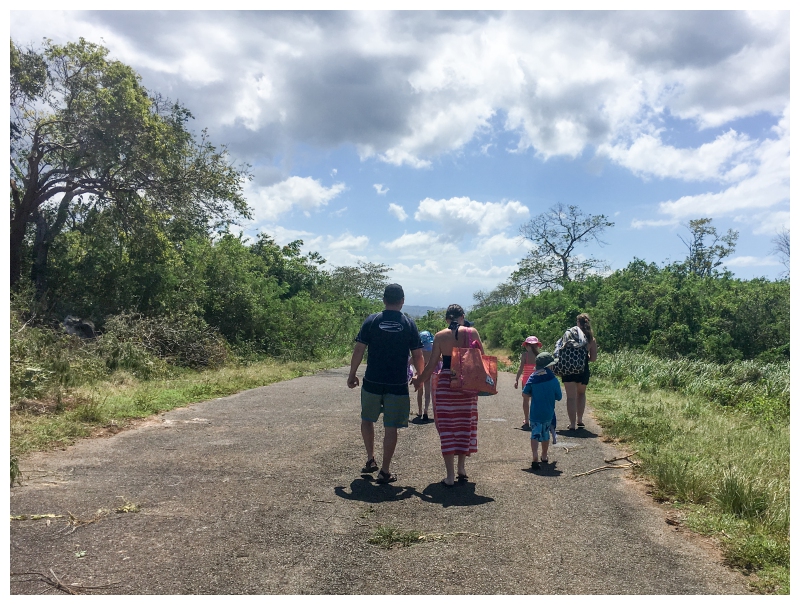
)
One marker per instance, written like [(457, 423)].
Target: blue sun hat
[(426, 338)]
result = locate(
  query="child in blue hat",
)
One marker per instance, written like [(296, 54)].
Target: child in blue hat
[(544, 390)]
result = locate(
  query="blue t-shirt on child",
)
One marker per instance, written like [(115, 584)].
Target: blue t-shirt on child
[(545, 390)]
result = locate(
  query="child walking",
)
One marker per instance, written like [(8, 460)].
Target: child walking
[(527, 364), (544, 390), (425, 388)]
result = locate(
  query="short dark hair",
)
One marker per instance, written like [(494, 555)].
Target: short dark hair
[(454, 312), (393, 294)]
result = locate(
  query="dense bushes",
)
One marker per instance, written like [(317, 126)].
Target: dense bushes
[(178, 298), (665, 311)]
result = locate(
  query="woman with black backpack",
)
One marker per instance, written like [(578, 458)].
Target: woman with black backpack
[(575, 382)]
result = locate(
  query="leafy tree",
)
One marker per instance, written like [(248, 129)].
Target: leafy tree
[(706, 247), (85, 130), (365, 280)]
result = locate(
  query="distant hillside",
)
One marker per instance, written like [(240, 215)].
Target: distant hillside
[(417, 311)]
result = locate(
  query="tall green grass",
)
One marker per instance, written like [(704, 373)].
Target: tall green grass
[(759, 388), (714, 441)]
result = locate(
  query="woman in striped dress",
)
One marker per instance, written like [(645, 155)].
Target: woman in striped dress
[(455, 411)]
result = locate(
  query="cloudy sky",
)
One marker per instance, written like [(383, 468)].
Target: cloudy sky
[(424, 140)]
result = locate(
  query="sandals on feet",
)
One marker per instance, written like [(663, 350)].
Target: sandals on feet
[(446, 484), (462, 477), (370, 467), (535, 465), (581, 425), (386, 477)]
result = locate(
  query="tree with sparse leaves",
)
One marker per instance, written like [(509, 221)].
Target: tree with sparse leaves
[(556, 235), (84, 131), (706, 247), (781, 248)]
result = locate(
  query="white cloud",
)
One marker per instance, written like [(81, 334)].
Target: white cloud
[(348, 242), (501, 244), (723, 159), (379, 188), (407, 87), (641, 224), (459, 214), (766, 187), (339, 212), (305, 193), (283, 236), (339, 250), (751, 261), (768, 223), (398, 212)]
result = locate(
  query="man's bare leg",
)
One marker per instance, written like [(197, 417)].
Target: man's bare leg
[(368, 434), (389, 443)]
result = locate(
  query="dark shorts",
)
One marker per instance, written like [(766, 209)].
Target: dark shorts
[(582, 378)]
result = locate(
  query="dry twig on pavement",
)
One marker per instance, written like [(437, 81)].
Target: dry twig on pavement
[(56, 583), (604, 468)]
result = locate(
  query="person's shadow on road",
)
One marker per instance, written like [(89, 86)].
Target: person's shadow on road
[(365, 489), (461, 494), (579, 433), (545, 470)]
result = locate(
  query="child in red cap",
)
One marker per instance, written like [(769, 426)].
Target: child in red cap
[(527, 365)]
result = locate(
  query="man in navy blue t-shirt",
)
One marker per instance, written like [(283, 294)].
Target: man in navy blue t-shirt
[(390, 336)]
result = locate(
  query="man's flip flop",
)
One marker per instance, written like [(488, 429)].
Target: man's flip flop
[(370, 467), (443, 482), (581, 425), (461, 477), (386, 477)]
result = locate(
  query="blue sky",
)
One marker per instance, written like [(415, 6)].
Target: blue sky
[(424, 140)]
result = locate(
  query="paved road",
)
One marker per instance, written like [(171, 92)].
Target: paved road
[(260, 493)]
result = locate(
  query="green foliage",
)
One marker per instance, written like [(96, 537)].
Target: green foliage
[(759, 389), (16, 475), (88, 136), (387, 537), (727, 466), (706, 248), (668, 312), (433, 321)]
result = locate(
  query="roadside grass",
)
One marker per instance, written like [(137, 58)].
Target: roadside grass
[(69, 414), (387, 537), (723, 467)]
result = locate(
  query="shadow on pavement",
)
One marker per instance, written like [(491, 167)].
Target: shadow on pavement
[(461, 494), (545, 470), (365, 489), (578, 433)]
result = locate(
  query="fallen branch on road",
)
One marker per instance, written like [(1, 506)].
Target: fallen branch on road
[(73, 589), (605, 468)]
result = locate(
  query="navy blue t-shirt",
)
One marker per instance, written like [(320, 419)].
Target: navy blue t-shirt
[(390, 336)]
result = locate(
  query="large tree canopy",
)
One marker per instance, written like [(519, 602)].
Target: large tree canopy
[(85, 131)]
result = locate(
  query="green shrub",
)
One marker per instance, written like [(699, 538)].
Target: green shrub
[(181, 339)]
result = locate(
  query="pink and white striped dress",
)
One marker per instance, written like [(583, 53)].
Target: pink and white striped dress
[(456, 416)]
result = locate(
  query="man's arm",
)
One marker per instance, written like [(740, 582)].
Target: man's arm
[(355, 361)]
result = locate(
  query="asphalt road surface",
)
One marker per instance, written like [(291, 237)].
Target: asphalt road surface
[(261, 493)]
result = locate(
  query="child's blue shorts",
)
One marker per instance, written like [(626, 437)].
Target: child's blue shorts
[(540, 431)]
